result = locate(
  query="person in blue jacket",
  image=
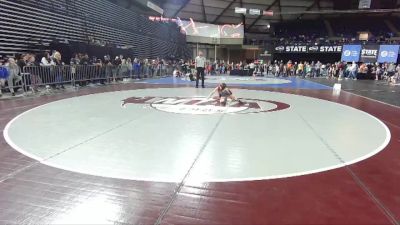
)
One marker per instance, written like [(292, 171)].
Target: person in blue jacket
[(3, 76)]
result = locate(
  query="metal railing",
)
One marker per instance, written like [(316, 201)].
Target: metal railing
[(32, 78)]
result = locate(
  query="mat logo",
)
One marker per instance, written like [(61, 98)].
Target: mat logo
[(204, 106)]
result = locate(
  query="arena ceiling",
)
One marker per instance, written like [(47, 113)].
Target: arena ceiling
[(223, 11)]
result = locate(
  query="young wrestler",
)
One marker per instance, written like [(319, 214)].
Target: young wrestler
[(224, 93)]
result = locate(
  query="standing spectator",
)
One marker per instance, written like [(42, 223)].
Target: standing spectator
[(396, 77), (300, 69), (391, 69), (136, 62), (75, 60), (267, 68), (318, 68), (153, 68), (141, 69), (124, 68), (160, 67), (84, 60), (22, 61), (289, 68), (281, 69), (378, 72), (353, 71), (200, 62), (313, 69), (308, 69), (252, 68), (34, 77), (108, 68), (341, 68), (147, 66), (130, 67), (117, 67), (13, 75), (58, 69), (46, 60), (100, 72), (3, 76), (46, 73)]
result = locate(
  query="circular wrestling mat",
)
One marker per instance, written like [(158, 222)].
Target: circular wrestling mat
[(157, 134)]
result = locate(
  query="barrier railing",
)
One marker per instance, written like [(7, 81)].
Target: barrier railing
[(32, 78)]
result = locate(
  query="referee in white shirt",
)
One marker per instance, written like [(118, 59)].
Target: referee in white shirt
[(200, 65)]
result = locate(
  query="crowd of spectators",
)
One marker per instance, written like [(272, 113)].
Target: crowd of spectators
[(339, 70), (113, 69), (336, 70), (30, 71)]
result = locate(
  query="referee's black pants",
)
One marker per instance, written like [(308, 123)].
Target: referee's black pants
[(200, 73)]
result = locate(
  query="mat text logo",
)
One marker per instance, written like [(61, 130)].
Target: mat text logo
[(204, 106)]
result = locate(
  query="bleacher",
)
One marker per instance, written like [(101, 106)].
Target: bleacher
[(344, 30), (349, 27), (28, 25), (312, 29)]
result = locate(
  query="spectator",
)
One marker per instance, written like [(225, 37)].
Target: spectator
[(75, 60), (391, 70), (124, 68), (147, 65), (353, 71), (396, 77), (58, 70), (46, 60), (130, 67), (3, 76), (300, 69), (22, 61), (13, 75), (136, 62), (318, 68)]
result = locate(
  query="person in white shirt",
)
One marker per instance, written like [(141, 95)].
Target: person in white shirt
[(353, 71), (200, 65), (46, 60), (252, 68)]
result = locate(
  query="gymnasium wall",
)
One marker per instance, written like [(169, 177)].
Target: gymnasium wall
[(31, 25)]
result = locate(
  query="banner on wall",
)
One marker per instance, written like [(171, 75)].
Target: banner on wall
[(388, 53), (351, 53), (369, 53), (326, 48), (308, 48)]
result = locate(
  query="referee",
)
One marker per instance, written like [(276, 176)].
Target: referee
[(200, 65)]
